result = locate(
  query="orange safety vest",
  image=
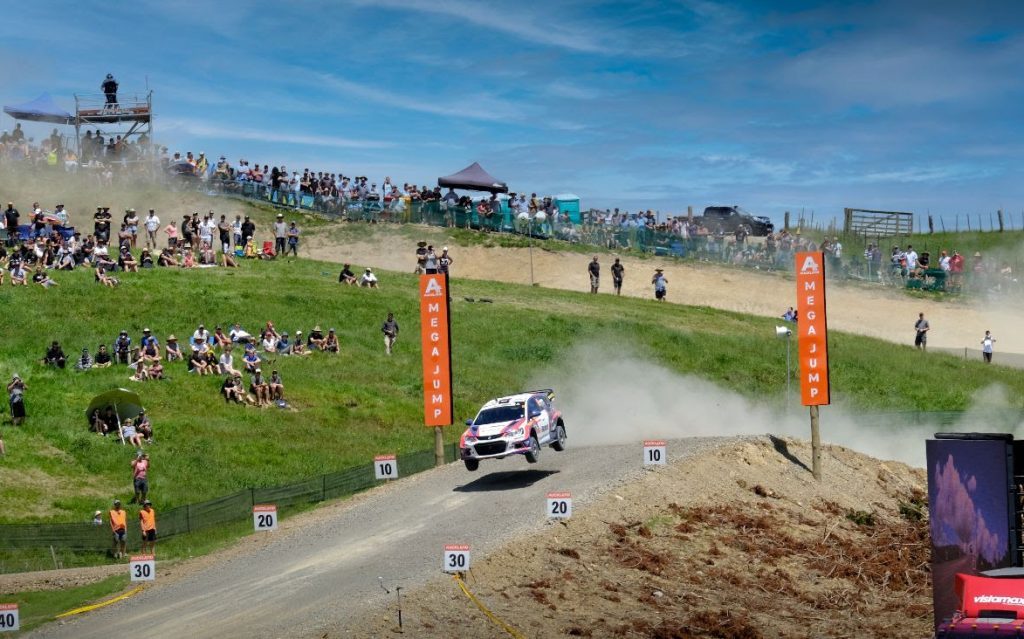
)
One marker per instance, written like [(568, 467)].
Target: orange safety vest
[(118, 520), (147, 519)]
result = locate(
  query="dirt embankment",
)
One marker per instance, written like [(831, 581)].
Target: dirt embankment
[(741, 542), (871, 310)]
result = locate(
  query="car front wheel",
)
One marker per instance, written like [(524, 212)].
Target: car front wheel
[(472, 464), (533, 455)]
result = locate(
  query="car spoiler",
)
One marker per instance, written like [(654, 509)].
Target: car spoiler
[(550, 393)]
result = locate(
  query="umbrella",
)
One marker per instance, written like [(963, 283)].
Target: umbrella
[(126, 403), (182, 167)]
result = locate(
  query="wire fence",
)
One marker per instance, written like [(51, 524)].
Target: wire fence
[(190, 518)]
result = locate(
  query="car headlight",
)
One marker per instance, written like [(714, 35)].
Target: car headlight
[(519, 433)]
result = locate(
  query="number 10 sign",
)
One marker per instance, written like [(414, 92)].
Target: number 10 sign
[(654, 452)]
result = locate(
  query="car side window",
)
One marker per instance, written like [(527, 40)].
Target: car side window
[(534, 406)]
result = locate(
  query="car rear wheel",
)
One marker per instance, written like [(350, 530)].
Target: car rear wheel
[(533, 455), (472, 464), (559, 443)]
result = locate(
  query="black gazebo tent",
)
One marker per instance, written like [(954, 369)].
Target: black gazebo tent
[(473, 178)]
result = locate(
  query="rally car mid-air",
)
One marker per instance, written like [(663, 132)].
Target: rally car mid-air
[(513, 425)]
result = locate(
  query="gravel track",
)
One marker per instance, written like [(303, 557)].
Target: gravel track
[(310, 578)]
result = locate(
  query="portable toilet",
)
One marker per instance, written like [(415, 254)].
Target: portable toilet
[(569, 204)]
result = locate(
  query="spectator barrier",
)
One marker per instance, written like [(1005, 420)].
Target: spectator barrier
[(89, 538)]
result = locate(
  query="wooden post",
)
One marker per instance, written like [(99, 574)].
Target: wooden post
[(815, 445), (785, 221), (931, 224), (438, 446), (999, 214)]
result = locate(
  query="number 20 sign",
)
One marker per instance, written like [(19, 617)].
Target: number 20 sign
[(559, 505), (9, 620), (264, 517), (456, 558)]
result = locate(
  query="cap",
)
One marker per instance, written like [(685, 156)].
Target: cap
[(369, 270), (444, 249), (317, 328), (331, 330), (117, 502), (147, 503), (146, 330), (259, 370), (172, 338)]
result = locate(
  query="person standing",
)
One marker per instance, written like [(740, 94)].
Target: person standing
[(986, 347), (430, 262), (444, 262), (280, 233), (118, 528), (618, 271), (140, 473), (293, 239), (594, 269), (109, 88), (147, 522), (16, 399), (660, 285), (152, 224), (922, 327), (390, 330)]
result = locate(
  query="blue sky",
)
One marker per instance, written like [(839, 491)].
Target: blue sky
[(774, 106)]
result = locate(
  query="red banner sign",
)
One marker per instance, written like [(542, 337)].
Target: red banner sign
[(812, 329), (437, 355)]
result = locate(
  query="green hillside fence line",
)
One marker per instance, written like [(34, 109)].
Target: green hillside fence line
[(85, 537)]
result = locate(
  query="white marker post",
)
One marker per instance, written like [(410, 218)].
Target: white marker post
[(385, 467), (654, 452), (9, 619), (264, 517), (559, 505), (456, 558), (142, 568)]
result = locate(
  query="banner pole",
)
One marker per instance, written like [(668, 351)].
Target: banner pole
[(438, 446), (815, 445)]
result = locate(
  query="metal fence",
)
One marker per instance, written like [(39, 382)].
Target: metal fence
[(86, 537)]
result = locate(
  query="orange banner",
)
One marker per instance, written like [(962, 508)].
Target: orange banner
[(812, 328), (437, 354)]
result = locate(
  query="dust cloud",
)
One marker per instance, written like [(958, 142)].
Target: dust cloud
[(626, 399)]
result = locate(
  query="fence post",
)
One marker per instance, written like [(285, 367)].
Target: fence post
[(323, 489), (188, 517), (999, 214)]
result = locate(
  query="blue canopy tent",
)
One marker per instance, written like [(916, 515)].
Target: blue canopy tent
[(42, 109)]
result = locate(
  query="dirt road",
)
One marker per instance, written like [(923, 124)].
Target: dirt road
[(309, 579)]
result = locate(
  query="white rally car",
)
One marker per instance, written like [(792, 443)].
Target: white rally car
[(517, 424)]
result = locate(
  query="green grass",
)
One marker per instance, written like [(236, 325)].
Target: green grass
[(40, 606), (361, 402)]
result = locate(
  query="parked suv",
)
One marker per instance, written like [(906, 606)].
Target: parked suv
[(730, 217), (518, 424)]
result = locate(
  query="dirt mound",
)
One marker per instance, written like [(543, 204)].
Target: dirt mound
[(740, 543)]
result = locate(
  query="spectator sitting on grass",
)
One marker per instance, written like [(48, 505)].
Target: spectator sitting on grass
[(270, 341), (155, 370), (188, 260), (144, 426), (102, 422), (298, 348), (199, 337), (18, 275), (206, 254), (331, 342), (127, 262), (226, 364), (251, 359), (84, 362), (104, 279), (346, 276), (276, 386), (103, 359), (227, 260), (140, 374), (316, 339), (131, 436), (167, 258), (260, 388), (123, 348), (55, 356), (41, 278), (197, 363), (146, 259), (368, 280), (220, 339), (231, 389), (249, 252), (172, 350), (284, 345)]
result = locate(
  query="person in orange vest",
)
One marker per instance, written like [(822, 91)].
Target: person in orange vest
[(119, 528), (147, 521)]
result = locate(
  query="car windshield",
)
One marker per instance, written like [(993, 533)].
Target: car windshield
[(499, 414)]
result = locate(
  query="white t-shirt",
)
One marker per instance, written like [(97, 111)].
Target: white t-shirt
[(152, 223), (986, 344), (911, 259), (368, 278)]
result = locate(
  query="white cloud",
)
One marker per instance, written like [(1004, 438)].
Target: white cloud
[(268, 135)]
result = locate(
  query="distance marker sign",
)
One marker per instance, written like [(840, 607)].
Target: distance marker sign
[(455, 558), (654, 452), (385, 467), (142, 568), (9, 619), (264, 517), (559, 505)]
